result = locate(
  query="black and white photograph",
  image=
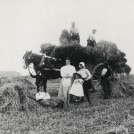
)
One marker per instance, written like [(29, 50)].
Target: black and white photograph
[(66, 67)]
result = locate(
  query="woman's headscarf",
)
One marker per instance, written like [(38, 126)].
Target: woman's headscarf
[(82, 63)]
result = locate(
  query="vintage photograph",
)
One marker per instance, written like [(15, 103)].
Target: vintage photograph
[(66, 67)]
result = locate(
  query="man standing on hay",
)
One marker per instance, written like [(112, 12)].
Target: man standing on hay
[(105, 80), (91, 39), (74, 33)]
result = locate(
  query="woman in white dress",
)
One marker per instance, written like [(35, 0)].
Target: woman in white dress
[(67, 72), (77, 87)]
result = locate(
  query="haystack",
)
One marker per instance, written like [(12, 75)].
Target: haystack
[(103, 51), (13, 94), (122, 87)]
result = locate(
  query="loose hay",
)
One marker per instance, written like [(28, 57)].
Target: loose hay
[(122, 87), (13, 94), (103, 117)]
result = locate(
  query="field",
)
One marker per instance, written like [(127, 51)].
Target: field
[(113, 116)]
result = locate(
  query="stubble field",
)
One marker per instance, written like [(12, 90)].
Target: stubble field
[(113, 116)]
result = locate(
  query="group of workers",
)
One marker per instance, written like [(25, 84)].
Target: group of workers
[(74, 85)]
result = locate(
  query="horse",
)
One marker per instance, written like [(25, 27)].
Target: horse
[(48, 66)]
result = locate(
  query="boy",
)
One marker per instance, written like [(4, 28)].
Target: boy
[(45, 100), (40, 80)]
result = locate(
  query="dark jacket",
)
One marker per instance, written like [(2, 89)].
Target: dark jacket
[(108, 73), (40, 79)]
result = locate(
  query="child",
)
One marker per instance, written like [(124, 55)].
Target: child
[(77, 87)]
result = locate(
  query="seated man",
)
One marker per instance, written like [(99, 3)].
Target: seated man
[(45, 100), (40, 80), (41, 95)]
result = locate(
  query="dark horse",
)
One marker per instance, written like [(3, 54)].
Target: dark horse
[(48, 66)]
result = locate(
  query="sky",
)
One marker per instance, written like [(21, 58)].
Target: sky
[(26, 24)]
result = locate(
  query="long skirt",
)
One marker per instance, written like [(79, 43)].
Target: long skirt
[(64, 89), (86, 87)]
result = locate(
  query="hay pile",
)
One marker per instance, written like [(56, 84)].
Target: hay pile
[(122, 87), (16, 93), (103, 51), (13, 94)]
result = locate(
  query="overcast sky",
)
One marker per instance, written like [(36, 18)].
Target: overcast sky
[(26, 24)]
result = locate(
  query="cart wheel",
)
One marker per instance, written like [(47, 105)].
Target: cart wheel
[(96, 77)]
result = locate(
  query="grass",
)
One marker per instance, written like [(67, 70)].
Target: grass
[(103, 117)]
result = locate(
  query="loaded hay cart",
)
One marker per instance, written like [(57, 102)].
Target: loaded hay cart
[(94, 57)]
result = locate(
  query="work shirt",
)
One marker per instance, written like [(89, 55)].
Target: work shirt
[(67, 71), (106, 72), (91, 37), (73, 30), (42, 95), (85, 74)]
